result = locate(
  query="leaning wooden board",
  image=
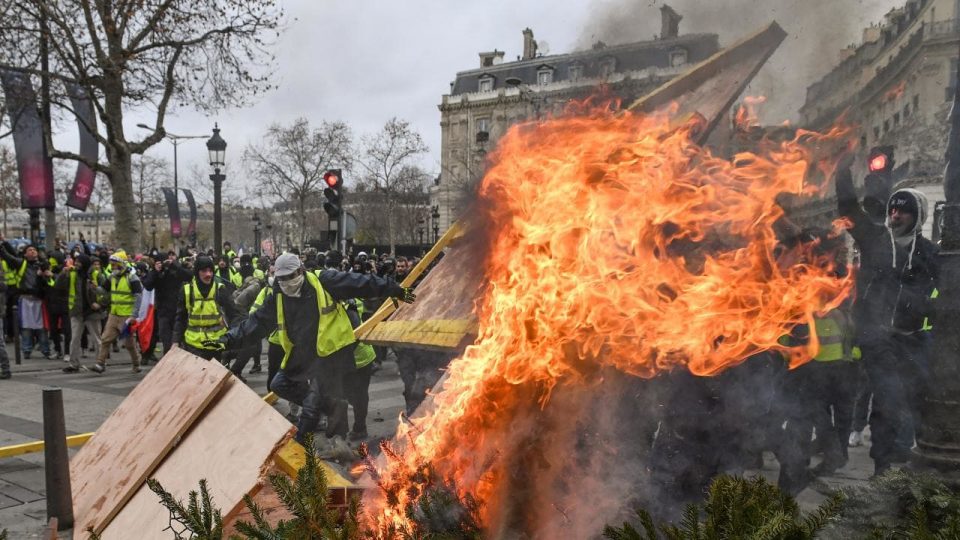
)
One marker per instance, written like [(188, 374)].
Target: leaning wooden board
[(231, 446), (130, 444)]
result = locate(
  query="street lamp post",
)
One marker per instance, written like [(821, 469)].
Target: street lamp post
[(435, 214), (273, 239), (153, 234), (420, 228), (217, 148), (256, 233)]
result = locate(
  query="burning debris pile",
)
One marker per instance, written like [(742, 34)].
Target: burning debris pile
[(617, 244)]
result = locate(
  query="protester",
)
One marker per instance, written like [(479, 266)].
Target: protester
[(32, 283), (204, 309), (125, 291)]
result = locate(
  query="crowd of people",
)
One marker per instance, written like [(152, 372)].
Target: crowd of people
[(219, 307)]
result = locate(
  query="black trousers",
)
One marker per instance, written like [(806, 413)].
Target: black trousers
[(164, 329), (274, 359), (897, 367), (322, 393), (357, 388), (244, 356), (60, 332)]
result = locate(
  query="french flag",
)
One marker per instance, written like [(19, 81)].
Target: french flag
[(144, 320)]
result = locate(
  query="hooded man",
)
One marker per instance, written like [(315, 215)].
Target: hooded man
[(898, 275), (82, 306), (315, 334), (204, 310)]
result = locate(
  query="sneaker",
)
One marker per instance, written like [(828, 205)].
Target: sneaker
[(135, 369), (59, 356), (255, 369), (71, 369), (99, 368), (6, 375), (26, 356), (856, 439)]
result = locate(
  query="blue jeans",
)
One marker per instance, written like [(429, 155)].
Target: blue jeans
[(27, 340)]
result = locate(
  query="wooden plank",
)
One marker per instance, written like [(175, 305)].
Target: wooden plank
[(230, 446), (455, 231), (291, 457), (136, 437)]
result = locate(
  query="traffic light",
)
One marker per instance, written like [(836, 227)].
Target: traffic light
[(333, 193), (879, 182)]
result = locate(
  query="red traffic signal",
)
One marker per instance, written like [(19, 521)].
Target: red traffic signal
[(333, 178), (878, 163), (880, 159)]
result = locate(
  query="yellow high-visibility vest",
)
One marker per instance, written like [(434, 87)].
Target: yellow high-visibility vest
[(121, 296), (204, 320), (333, 331)]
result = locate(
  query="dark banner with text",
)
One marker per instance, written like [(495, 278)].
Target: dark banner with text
[(83, 182), (174, 210), (34, 168), (192, 226)]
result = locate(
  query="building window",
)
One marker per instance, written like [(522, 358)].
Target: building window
[(916, 102), (896, 119), (886, 126), (906, 111), (607, 67), (486, 84), (876, 133), (544, 77), (678, 57), (575, 72), (483, 124)]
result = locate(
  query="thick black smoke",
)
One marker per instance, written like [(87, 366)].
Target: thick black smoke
[(818, 31)]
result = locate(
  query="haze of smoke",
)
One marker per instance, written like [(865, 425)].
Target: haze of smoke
[(818, 30)]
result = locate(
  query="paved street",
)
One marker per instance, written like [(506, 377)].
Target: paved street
[(88, 400)]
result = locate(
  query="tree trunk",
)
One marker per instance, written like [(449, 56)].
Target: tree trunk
[(391, 234), (124, 207)]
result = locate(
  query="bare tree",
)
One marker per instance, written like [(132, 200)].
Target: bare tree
[(386, 161), (149, 173), (9, 183), (291, 161), (145, 54), (100, 202)]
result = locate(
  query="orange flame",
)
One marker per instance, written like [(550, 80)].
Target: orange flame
[(619, 243), (748, 113)]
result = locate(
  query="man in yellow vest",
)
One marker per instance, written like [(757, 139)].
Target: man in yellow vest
[(124, 287), (82, 306), (315, 334), (204, 309)]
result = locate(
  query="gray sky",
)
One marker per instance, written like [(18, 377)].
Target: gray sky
[(363, 62)]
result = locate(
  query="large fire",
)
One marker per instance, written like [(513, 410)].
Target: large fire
[(620, 243)]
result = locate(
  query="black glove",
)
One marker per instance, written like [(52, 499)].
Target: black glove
[(219, 344)]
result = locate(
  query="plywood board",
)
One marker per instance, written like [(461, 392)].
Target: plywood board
[(230, 446), (443, 317), (444, 311), (136, 437)]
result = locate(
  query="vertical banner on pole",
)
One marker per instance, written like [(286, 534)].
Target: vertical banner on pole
[(173, 209), (192, 226), (34, 167), (83, 182)]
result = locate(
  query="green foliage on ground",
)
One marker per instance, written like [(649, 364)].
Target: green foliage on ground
[(735, 507), (901, 505)]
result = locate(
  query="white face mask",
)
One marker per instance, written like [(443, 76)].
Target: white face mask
[(291, 287), (270, 280), (236, 265)]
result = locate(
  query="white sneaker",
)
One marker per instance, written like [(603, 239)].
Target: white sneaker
[(856, 439)]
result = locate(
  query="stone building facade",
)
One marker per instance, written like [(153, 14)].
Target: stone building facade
[(484, 102), (895, 88)]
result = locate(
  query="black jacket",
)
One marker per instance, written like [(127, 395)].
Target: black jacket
[(302, 316), (168, 287), (32, 283), (896, 279)]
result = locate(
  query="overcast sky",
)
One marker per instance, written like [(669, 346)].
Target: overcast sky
[(363, 62)]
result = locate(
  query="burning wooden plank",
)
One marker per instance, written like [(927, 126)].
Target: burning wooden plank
[(444, 316)]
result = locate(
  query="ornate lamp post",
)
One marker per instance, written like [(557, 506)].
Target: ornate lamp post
[(153, 234), (256, 233), (217, 148), (435, 214), (420, 228)]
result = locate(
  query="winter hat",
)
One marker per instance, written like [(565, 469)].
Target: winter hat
[(909, 201), (202, 263), (286, 264)]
